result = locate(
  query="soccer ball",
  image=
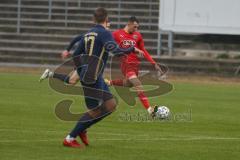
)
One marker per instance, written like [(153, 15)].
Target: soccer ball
[(162, 112)]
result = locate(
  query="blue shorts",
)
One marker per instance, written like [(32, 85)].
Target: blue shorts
[(96, 93)]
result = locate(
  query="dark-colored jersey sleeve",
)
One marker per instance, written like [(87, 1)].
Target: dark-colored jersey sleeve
[(77, 53), (73, 42), (111, 46)]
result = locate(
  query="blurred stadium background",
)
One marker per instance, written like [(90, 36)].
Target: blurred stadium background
[(179, 33), (34, 32)]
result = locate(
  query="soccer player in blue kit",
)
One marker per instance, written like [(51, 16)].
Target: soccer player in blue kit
[(90, 59)]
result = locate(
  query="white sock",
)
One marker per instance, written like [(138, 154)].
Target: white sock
[(150, 110), (69, 138), (50, 74)]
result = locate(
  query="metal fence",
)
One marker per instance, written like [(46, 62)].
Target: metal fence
[(50, 8), (50, 12), (79, 2)]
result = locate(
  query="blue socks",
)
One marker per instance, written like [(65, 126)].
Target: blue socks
[(62, 77), (85, 122)]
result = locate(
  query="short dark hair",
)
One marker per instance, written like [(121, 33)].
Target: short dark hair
[(133, 19), (100, 15)]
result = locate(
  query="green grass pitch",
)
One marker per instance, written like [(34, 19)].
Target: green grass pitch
[(208, 130)]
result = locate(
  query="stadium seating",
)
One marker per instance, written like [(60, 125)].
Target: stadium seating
[(44, 36)]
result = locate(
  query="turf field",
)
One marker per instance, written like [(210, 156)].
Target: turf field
[(206, 125)]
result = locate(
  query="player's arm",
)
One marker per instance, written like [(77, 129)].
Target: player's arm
[(111, 46), (66, 52), (162, 69), (73, 42), (77, 53), (146, 55)]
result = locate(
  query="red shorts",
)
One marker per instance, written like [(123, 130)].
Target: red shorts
[(129, 69)]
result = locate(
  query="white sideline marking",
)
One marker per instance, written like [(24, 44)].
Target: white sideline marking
[(173, 139), (48, 131), (129, 137)]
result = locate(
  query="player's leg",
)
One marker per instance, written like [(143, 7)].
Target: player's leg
[(96, 113), (115, 82), (72, 79), (88, 119), (137, 86), (46, 74), (118, 82), (50, 74), (125, 67)]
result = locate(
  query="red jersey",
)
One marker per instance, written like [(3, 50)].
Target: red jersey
[(125, 40)]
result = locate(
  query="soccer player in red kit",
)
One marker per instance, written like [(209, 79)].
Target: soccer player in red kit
[(127, 37)]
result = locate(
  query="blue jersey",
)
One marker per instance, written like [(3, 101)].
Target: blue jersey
[(73, 42), (94, 48)]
